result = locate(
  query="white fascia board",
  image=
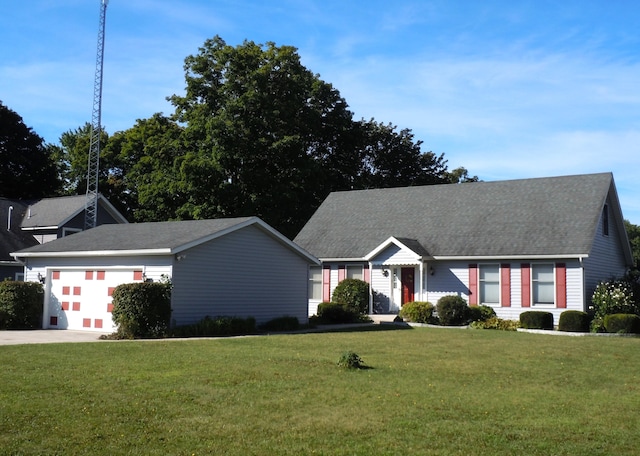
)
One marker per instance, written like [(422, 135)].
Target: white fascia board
[(95, 253), (579, 256), (342, 260), (34, 228)]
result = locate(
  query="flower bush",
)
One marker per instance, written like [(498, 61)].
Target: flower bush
[(611, 297)]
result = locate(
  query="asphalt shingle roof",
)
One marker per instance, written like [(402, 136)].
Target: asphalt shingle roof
[(542, 216), (53, 211), (138, 236)]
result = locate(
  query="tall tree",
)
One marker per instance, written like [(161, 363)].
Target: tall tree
[(27, 169), (392, 158), (72, 161), (265, 135), (633, 231), (149, 156)]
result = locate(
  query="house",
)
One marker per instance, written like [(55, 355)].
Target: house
[(238, 267), (529, 244), (33, 222)]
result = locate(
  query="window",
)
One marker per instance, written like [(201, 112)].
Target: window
[(542, 284), (355, 272), (489, 278), (315, 283), (605, 220)]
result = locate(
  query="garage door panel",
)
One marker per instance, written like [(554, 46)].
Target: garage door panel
[(82, 298)]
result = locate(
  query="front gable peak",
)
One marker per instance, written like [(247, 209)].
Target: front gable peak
[(398, 250)]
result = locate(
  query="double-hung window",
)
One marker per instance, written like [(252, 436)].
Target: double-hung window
[(315, 283), (489, 284), (542, 284)]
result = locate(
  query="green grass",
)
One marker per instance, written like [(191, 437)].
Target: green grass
[(427, 391)]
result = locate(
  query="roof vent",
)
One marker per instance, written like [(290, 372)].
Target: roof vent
[(9, 218)]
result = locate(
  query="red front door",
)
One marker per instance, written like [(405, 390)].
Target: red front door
[(408, 284)]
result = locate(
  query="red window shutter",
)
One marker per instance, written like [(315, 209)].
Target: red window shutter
[(561, 285), (326, 283), (505, 272), (525, 269), (367, 274), (473, 284), (341, 273)]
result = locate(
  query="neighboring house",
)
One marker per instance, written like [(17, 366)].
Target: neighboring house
[(33, 222), (530, 244), (238, 267)]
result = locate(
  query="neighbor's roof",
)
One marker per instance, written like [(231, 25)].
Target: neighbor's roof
[(152, 238), (55, 212), (13, 239), (528, 217)]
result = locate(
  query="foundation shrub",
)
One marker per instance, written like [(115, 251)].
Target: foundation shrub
[(574, 321), (418, 312), (496, 323), (285, 323), (480, 313), (217, 326), (535, 319), (452, 310), (21, 305), (622, 323), (333, 313), (352, 294), (142, 309)]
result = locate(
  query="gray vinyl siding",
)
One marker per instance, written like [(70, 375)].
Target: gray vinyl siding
[(246, 273), (606, 259)]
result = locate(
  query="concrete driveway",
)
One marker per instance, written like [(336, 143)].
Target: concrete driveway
[(47, 336)]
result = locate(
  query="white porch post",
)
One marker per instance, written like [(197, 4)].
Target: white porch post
[(422, 280), (370, 288)]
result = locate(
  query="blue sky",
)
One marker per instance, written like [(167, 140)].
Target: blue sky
[(506, 89)]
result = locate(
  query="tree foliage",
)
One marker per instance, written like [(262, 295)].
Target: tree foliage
[(633, 231), (27, 168), (255, 133)]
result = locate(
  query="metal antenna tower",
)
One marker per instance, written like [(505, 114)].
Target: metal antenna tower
[(93, 166)]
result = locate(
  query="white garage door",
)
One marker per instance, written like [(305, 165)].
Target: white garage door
[(81, 299)]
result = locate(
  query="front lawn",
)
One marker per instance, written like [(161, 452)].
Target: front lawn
[(428, 391)]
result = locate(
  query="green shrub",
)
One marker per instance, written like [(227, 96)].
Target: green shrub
[(574, 321), (418, 312), (452, 310), (496, 323), (622, 323), (535, 319), (218, 326), (480, 313), (281, 324), (21, 305), (332, 313), (351, 360), (613, 297), (142, 309), (352, 294)]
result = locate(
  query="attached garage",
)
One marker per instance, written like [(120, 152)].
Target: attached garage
[(232, 267)]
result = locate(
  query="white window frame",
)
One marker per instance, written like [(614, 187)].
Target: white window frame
[(315, 279), (498, 284), (534, 284)]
